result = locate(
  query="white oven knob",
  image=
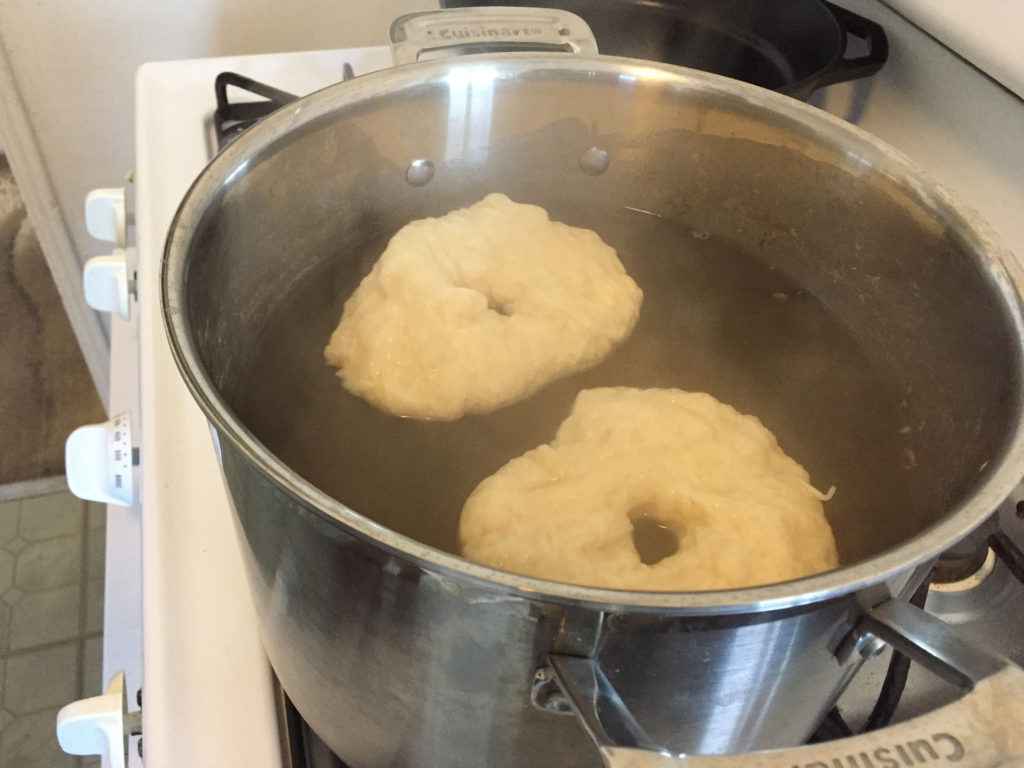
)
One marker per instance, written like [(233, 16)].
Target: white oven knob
[(100, 725), (105, 216), (98, 460), (107, 284)]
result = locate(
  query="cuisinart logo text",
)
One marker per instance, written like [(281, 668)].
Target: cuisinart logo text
[(477, 32), (941, 747)]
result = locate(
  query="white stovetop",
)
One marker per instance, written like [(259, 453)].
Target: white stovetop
[(985, 32), (208, 699), (207, 683)]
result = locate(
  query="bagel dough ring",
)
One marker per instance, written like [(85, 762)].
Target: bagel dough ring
[(743, 511), (479, 308)]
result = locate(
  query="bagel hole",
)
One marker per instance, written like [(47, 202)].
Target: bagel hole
[(653, 538), (496, 306)]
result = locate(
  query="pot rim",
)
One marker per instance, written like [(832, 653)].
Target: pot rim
[(1006, 273)]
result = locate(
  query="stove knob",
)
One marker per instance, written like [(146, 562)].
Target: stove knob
[(107, 284), (100, 725), (98, 460), (105, 215)]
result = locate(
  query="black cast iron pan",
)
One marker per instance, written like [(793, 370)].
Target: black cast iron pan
[(790, 46)]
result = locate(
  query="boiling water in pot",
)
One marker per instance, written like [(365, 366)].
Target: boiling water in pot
[(714, 319)]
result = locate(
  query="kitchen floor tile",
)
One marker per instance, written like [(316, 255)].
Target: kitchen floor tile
[(94, 606), (51, 642), (97, 515), (48, 517), (41, 679), (5, 626), (48, 564), (93, 683), (29, 741), (8, 520), (96, 552), (47, 616), (6, 571)]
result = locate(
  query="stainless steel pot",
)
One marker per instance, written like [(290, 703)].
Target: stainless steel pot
[(398, 652)]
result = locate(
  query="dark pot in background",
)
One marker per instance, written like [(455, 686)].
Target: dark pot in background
[(790, 46)]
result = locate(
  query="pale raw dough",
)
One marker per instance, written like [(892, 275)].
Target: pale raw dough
[(744, 512), (479, 308)]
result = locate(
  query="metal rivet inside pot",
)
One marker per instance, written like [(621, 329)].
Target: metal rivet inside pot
[(546, 695), (594, 161), (419, 172)]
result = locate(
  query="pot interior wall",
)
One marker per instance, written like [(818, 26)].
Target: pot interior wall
[(783, 273)]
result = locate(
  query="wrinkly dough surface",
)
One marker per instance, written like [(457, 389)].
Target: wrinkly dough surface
[(744, 512), (479, 308)]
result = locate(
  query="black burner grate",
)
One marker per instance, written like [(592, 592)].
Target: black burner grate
[(231, 118), (300, 747)]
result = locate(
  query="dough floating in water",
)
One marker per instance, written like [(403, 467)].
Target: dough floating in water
[(479, 308), (652, 489)]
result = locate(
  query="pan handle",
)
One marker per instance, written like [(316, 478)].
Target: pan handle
[(983, 729), (850, 24), (490, 29)]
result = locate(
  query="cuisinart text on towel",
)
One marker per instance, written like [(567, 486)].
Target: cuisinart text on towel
[(942, 747), (474, 32)]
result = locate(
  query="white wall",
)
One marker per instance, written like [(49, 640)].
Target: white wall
[(67, 97)]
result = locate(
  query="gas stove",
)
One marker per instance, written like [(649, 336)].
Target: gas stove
[(189, 637)]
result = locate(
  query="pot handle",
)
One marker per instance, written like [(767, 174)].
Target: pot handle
[(491, 29), (850, 24), (983, 729)]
